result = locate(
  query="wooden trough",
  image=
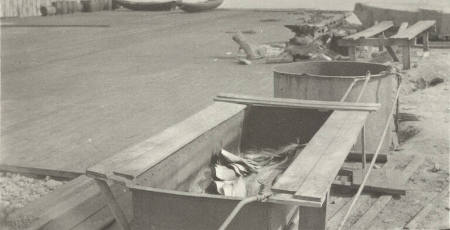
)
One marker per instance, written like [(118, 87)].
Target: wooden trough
[(158, 170)]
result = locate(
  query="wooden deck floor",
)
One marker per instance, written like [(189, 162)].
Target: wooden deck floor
[(79, 88)]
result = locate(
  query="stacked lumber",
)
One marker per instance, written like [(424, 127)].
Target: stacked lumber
[(20, 8)]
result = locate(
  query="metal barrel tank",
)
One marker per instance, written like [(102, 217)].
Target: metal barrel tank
[(328, 81)]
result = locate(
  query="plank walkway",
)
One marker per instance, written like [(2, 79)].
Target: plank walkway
[(72, 96)]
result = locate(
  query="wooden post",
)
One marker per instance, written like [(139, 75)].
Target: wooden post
[(392, 53), (426, 44), (406, 58), (363, 147), (380, 48), (352, 52), (113, 205), (313, 218)]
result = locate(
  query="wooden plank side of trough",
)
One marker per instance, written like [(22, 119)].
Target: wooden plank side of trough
[(295, 103), (294, 176), (281, 198), (173, 138), (319, 180)]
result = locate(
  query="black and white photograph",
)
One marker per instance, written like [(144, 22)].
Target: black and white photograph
[(224, 114)]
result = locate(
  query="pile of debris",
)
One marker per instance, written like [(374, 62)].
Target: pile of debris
[(315, 38)]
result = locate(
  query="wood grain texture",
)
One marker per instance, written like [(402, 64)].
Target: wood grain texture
[(313, 218), (365, 220), (169, 140), (174, 138), (416, 29), (295, 103), (402, 27), (319, 180), (371, 31), (382, 181), (121, 79), (318, 147), (423, 213)]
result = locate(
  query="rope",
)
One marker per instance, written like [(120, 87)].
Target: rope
[(361, 187), (240, 205)]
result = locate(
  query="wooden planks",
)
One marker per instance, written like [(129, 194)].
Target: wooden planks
[(414, 30), (315, 154), (319, 181), (374, 42), (60, 129), (371, 31), (382, 201), (383, 181), (170, 140), (402, 27), (423, 213), (144, 155), (295, 103)]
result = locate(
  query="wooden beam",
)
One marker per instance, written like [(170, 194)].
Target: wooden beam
[(371, 31), (322, 176), (313, 218), (357, 156), (321, 146), (426, 41), (113, 205), (39, 171), (177, 136), (374, 42), (386, 182), (392, 53), (295, 103), (352, 52), (137, 159), (406, 57), (416, 29)]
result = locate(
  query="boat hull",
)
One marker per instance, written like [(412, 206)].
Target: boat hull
[(198, 7), (148, 6)]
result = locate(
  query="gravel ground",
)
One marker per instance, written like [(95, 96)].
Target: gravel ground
[(17, 190)]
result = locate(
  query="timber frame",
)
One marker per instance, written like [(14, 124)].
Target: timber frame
[(405, 38)]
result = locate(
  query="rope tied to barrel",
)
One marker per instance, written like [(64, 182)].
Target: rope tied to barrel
[(374, 158)]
